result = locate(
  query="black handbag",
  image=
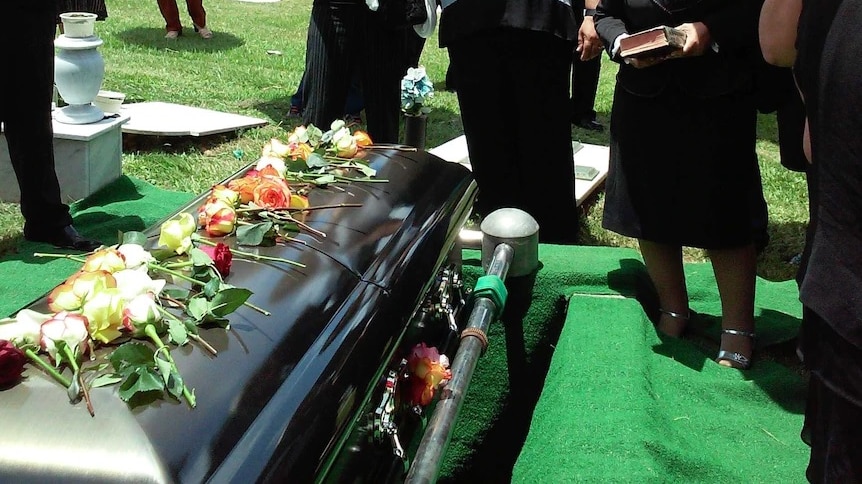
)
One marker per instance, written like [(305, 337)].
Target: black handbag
[(402, 14)]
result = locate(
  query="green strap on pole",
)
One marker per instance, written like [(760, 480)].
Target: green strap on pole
[(493, 288)]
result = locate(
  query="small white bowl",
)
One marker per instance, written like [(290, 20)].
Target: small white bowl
[(78, 25), (109, 101)]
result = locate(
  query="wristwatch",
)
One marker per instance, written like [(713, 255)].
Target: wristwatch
[(589, 12)]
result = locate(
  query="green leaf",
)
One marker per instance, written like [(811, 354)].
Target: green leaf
[(211, 288), (366, 170), (252, 234), (191, 326), (134, 238), (238, 153), (177, 332), (316, 161), (324, 180), (228, 300), (314, 135), (173, 382), (131, 354), (198, 307), (199, 257), (140, 380), (106, 380), (176, 293)]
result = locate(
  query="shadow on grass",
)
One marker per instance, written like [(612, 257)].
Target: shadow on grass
[(141, 143), (154, 38)]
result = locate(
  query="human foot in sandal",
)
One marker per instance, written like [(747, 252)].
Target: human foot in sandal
[(673, 323), (735, 345)]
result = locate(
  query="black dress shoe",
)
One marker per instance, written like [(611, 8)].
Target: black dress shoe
[(66, 238), (590, 124)]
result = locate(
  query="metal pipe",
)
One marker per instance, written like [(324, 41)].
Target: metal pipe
[(426, 465)]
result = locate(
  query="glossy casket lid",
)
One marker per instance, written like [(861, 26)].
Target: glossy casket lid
[(276, 392)]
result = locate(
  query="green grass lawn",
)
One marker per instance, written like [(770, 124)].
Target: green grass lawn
[(234, 72)]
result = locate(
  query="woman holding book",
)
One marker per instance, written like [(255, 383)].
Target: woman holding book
[(683, 163)]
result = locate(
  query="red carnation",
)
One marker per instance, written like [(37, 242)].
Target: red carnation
[(11, 363), (221, 256)]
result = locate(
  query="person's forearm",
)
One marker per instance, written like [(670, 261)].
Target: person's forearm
[(777, 31)]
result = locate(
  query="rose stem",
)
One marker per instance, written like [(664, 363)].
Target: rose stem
[(150, 331), (47, 368)]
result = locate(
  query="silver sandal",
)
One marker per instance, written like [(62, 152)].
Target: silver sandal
[(743, 361)]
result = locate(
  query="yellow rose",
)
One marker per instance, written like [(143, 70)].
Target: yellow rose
[(108, 259), (104, 311), (225, 194), (176, 233)]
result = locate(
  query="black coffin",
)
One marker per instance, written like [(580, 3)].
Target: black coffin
[(277, 402)]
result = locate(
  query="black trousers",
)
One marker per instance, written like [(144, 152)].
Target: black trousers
[(342, 36), (26, 88), (585, 82), (513, 90)]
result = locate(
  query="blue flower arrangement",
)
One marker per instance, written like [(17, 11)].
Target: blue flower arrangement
[(416, 89)]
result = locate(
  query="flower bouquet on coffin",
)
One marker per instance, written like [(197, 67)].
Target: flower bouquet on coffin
[(269, 203), (114, 321), (416, 90)]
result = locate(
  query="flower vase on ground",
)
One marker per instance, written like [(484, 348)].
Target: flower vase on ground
[(414, 130)]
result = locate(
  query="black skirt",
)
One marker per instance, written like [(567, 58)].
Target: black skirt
[(683, 170)]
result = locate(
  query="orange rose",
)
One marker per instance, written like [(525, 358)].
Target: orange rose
[(272, 193), (299, 150), (270, 172), (362, 138), (245, 186)]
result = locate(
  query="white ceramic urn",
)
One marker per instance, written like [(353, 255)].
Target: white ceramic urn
[(78, 73)]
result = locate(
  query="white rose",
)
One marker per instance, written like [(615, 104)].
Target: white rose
[(272, 161), (24, 328), (136, 256), (132, 283)]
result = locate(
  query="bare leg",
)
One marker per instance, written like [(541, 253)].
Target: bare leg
[(735, 271), (664, 266)]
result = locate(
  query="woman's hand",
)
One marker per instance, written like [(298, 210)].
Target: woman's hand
[(697, 40)]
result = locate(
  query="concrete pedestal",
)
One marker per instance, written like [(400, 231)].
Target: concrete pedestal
[(87, 157)]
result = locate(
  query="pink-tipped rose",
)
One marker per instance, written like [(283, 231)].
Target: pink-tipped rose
[(222, 222), (108, 259), (140, 312), (79, 287), (71, 328)]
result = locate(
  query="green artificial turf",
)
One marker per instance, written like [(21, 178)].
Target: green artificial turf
[(125, 205)]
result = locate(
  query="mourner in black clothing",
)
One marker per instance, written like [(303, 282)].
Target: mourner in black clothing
[(821, 43), (26, 89), (525, 47), (344, 35), (683, 168)]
